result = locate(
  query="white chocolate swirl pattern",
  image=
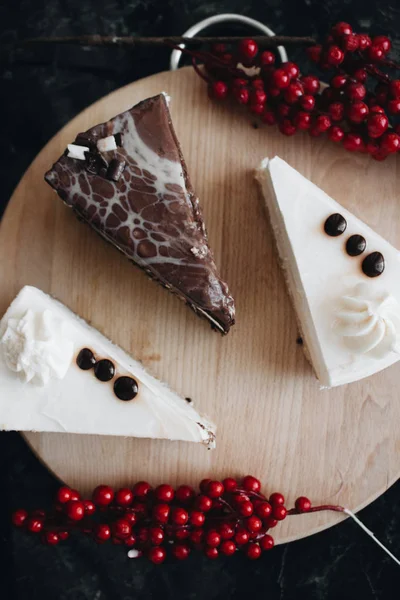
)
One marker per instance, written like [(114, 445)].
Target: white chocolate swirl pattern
[(369, 322)]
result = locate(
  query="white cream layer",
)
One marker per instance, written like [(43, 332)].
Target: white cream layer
[(320, 273), (79, 403)]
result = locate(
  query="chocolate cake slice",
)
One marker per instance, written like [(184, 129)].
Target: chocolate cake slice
[(128, 180)]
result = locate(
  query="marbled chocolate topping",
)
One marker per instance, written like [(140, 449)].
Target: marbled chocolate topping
[(151, 212)]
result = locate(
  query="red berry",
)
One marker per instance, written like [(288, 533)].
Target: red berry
[(237, 83), (141, 489), (251, 484), (377, 125), (181, 551), (203, 485), (131, 517), (226, 531), (353, 142), (336, 133), (323, 122), (314, 53), (280, 79), (287, 127), (394, 88), (215, 489), (257, 84), (164, 493), (19, 517), (211, 553), (339, 81), (203, 503), (270, 523), (314, 131), (267, 542), (310, 84), (246, 508), (283, 110), (336, 111), (364, 41), (241, 536), (130, 540), (218, 48), (179, 516), (383, 42), (291, 69), (350, 43), (51, 538), (302, 120), (390, 143), (197, 518), (63, 535), (334, 56), (302, 504), (90, 507), (242, 95), (394, 106), (253, 524), (182, 534), (161, 512), (34, 525), (143, 535), (279, 512), (212, 538), (228, 547), (219, 90), (156, 535), (273, 92), (124, 497), (263, 510), (103, 495), (184, 493), (121, 529), (253, 551), (355, 90), (307, 102), (269, 118), (102, 532), (75, 510), (267, 58), (230, 484), (357, 112), (341, 29), (248, 49), (360, 75), (293, 92), (379, 155), (375, 53), (240, 498), (157, 555), (258, 96), (74, 495), (227, 58), (63, 495), (196, 536)]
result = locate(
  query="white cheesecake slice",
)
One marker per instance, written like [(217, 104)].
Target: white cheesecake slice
[(346, 297), (42, 388)]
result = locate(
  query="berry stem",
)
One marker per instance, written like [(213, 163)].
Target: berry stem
[(294, 511)]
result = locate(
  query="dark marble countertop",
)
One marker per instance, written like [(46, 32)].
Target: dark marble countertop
[(38, 97)]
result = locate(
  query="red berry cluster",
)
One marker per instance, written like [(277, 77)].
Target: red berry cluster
[(224, 517), (357, 109)]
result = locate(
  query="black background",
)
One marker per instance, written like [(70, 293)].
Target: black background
[(43, 89)]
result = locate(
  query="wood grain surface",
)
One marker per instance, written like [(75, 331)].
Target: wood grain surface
[(340, 446)]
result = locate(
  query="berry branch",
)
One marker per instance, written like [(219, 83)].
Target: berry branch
[(360, 108), (221, 519)]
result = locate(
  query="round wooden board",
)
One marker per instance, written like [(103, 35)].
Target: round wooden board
[(339, 446)]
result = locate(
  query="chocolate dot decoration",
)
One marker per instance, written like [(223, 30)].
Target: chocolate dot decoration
[(355, 245), (104, 370), (126, 388), (85, 359), (335, 225), (373, 265)]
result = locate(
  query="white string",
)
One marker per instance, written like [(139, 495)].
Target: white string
[(371, 534)]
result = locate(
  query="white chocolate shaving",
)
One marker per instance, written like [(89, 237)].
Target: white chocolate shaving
[(77, 152), (106, 144)]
